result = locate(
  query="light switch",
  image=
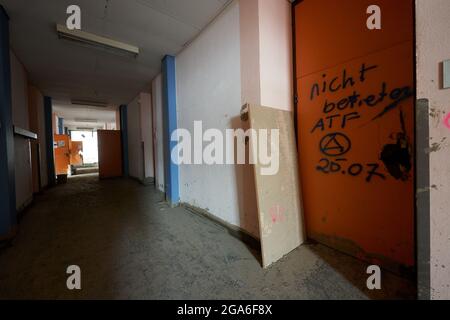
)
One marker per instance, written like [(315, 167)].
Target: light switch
[(446, 74)]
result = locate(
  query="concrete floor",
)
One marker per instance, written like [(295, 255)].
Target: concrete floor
[(131, 245)]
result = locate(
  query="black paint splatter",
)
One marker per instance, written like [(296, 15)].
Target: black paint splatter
[(396, 157)]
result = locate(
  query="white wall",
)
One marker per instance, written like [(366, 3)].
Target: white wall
[(209, 89), (250, 60), (433, 47), (147, 138), (135, 151), (275, 45), (140, 140), (22, 151), (158, 131), (244, 56), (266, 53)]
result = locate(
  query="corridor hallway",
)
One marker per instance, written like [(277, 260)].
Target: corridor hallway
[(130, 245)]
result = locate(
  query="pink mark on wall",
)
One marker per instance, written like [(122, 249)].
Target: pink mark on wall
[(277, 214), (447, 121)]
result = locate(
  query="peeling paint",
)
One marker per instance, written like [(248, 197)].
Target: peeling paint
[(436, 113), (435, 147), (422, 190)]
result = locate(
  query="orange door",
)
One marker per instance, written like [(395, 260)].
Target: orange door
[(62, 153), (76, 148), (109, 153), (355, 111)]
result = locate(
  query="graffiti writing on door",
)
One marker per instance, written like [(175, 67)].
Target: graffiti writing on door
[(335, 144)]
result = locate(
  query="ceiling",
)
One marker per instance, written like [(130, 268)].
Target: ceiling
[(65, 70), (84, 116)]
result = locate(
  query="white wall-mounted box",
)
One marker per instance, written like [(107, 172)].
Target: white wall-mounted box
[(446, 74)]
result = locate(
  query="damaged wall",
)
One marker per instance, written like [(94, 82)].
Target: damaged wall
[(432, 24)]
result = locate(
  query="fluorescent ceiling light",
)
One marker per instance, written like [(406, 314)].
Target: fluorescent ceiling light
[(89, 103), (86, 120), (95, 40)]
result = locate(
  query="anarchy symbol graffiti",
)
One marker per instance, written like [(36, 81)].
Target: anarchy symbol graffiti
[(335, 144)]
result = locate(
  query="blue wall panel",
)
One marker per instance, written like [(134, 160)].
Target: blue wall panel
[(171, 170), (60, 125)]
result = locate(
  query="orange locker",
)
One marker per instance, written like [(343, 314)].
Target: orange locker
[(109, 153), (62, 153)]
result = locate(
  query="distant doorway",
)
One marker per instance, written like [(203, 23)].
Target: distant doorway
[(84, 152)]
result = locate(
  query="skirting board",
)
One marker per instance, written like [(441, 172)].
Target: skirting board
[(25, 205), (149, 181), (235, 231), (7, 239)]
